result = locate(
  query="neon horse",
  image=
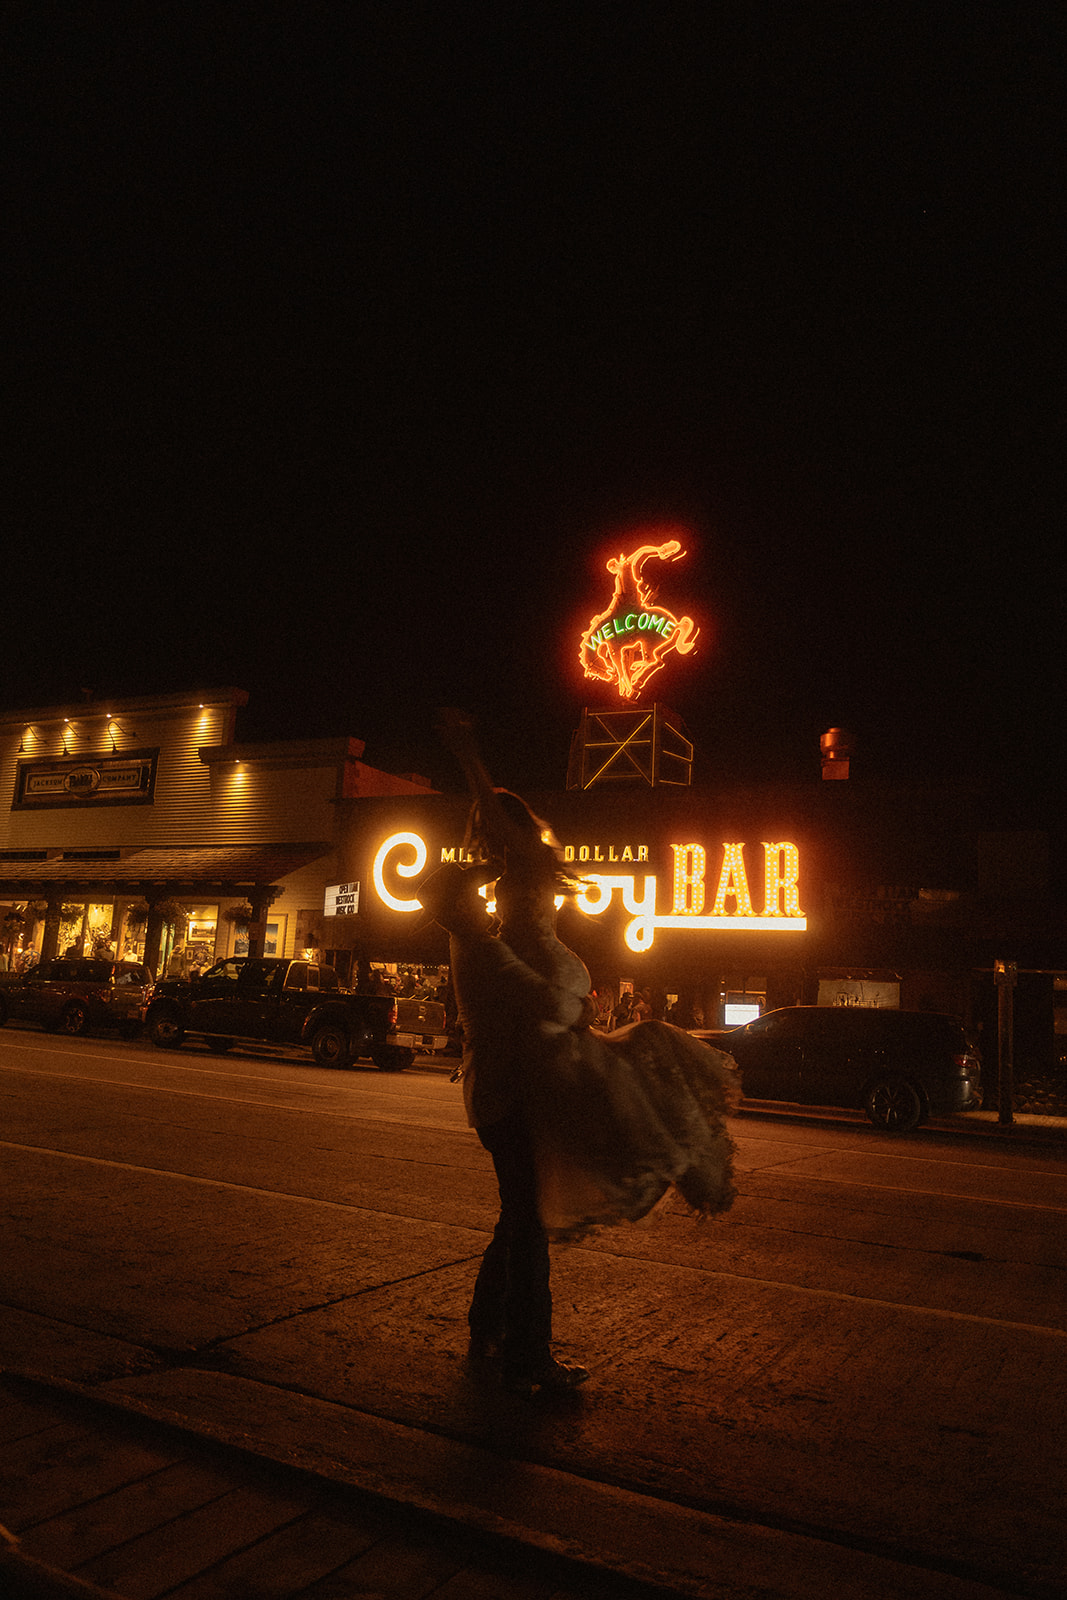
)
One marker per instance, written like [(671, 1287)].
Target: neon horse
[(629, 641)]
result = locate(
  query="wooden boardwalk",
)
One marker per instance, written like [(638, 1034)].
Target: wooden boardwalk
[(100, 1501)]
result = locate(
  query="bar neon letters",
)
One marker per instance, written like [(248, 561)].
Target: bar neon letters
[(690, 861), (733, 884), (781, 870), (732, 910)]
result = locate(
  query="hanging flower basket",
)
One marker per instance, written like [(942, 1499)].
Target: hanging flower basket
[(137, 915), (173, 912), (240, 915)]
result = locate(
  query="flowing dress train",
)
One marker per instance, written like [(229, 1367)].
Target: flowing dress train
[(618, 1119)]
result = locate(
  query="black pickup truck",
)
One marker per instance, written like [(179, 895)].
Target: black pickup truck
[(274, 1001)]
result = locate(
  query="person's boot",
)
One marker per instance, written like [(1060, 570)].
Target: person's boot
[(483, 1347), (548, 1377)]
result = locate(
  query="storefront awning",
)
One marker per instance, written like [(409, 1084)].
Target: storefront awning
[(181, 870)]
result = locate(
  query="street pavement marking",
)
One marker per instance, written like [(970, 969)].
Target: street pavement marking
[(237, 1188), (364, 1113), (168, 1063), (361, 1113), (225, 1073), (733, 1277), (942, 1158), (892, 1188)]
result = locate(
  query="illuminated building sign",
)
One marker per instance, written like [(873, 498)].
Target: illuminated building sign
[(126, 779), (342, 900), (628, 643), (403, 856)]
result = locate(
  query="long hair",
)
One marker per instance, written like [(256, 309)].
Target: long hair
[(536, 856)]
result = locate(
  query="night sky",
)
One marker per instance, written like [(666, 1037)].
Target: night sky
[(345, 343)]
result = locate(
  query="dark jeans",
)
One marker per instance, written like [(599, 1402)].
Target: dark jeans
[(512, 1301)]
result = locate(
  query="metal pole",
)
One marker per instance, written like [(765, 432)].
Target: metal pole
[(1004, 975)]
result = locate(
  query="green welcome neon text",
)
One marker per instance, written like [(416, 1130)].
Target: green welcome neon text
[(633, 622)]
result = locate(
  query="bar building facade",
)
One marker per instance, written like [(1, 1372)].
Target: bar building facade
[(143, 827), (720, 902)]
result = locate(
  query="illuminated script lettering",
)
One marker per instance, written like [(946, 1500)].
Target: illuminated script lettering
[(404, 855)]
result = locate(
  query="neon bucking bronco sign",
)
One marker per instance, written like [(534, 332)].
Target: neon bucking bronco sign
[(629, 642)]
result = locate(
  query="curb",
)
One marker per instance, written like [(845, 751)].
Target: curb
[(592, 1527), (1026, 1128), (23, 1577)]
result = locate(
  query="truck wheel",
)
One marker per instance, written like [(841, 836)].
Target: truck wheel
[(392, 1058), (75, 1020), (894, 1105), (329, 1046), (165, 1030)]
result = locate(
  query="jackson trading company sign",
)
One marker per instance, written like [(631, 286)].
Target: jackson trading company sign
[(703, 893), (628, 643), (101, 781)]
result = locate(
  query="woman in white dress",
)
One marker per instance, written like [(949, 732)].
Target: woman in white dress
[(616, 1119)]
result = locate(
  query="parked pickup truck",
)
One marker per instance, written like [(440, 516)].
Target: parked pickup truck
[(421, 1024), (274, 1001)]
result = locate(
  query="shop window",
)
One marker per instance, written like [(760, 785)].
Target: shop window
[(271, 944), (201, 933), (743, 999), (341, 962), (865, 993), (85, 929), (741, 1008)]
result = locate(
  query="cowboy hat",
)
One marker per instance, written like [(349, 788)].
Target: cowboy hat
[(444, 893)]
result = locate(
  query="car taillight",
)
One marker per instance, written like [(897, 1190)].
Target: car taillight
[(394, 1012), (966, 1063)]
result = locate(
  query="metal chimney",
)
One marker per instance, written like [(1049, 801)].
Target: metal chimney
[(836, 747)]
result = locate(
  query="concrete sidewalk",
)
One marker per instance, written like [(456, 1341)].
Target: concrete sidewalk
[(104, 1501), (206, 1487)]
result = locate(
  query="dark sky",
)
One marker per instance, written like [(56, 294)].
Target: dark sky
[(346, 341)]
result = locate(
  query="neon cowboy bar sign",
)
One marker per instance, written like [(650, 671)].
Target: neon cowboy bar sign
[(627, 643), (694, 906)]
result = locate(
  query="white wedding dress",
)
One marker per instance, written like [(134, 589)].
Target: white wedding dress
[(619, 1118)]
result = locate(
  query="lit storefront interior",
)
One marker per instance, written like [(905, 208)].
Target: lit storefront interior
[(140, 829)]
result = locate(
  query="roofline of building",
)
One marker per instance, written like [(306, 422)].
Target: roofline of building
[(189, 699), (285, 753)]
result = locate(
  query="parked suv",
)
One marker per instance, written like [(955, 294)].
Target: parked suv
[(898, 1066), (76, 993)]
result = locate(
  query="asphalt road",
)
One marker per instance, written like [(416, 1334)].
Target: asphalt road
[(869, 1351)]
